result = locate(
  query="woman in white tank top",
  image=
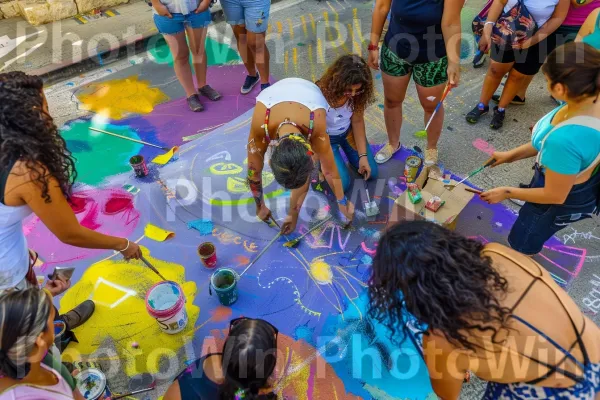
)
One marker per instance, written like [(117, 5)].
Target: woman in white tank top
[(290, 117), (348, 87)]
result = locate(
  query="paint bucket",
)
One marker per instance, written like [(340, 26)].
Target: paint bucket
[(166, 303), (208, 254), (139, 166), (59, 330), (224, 283), (92, 385), (411, 168)]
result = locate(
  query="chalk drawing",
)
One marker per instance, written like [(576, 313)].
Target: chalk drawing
[(120, 97), (592, 299), (318, 239), (484, 146), (118, 288)]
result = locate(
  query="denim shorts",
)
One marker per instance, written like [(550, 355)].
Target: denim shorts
[(177, 24), (254, 14)]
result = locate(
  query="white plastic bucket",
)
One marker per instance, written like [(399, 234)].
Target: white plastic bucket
[(166, 303)]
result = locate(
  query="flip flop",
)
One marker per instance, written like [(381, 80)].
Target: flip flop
[(386, 153)]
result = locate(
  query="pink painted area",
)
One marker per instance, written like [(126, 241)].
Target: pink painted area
[(576, 252), (484, 146), (311, 382), (368, 250), (91, 206)]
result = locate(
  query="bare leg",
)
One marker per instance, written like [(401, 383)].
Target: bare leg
[(258, 47), (394, 91), (181, 63), (197, 38), (522, 92), (241, 37), (495, 73), (515, 81), (435, 129)]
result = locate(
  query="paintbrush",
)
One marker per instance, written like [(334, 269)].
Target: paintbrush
[(295, 242), (152, 268), (130, 139), (121, 396), (262, 252), (439, 105), (371, 208), (451, 187)]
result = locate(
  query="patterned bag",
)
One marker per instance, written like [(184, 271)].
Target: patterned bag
[(514, 27), (479, 20)]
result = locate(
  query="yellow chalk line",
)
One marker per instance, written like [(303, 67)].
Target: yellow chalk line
[(312, 64), (285, 62), (312, 24), (304, 29), (328, 30), (337, 27), (291, 26), (295, 59), (356, 48), (357, 26)]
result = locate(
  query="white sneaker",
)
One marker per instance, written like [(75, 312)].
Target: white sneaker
[(431, 157)]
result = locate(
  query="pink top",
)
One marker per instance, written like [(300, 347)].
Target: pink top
[(577, 16), (60, 391)]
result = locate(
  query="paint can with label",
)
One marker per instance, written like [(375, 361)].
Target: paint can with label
[(411, 168), (92, 384), (139, 166), (165, 302), (208, 254), (224, 283)]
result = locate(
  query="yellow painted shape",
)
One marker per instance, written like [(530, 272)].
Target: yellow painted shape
[(321, 272), (304, 29), (279, 27), (119, 290), (295, 59), (222, 168), (119, 97), (286, 61), (313, 25), (238, 185), (165, 158), (159, 234)]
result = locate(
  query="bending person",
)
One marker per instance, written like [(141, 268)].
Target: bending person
[(348, 88), (242, 371), (36, 176), (566, 185), (26, 335), (290, 118), (485, 308)]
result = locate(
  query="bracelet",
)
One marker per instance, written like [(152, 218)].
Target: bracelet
[(489, 23), (372, 47), (125, 249), (343, 201), (362, 155)]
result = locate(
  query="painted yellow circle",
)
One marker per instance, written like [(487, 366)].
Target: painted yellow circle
[(321, 272)]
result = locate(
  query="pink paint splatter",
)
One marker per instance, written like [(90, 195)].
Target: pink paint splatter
[(484, 146), (368, 250), (220, 314)]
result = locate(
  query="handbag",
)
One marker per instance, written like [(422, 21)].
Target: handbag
[(513, 27), (479, 20)]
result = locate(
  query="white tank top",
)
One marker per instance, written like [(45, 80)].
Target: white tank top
[(14, 254), (296, 90), (339, 120)]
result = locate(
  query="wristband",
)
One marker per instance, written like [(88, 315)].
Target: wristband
[(343, 202), (125, 249), (489, 23), (372, 47), (362, 155)]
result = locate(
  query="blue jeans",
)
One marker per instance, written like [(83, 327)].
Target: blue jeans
[(346, 142), (177, 24), (253, 14)]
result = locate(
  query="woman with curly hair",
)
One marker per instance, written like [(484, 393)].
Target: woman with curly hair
[(486, 309), (36, 175), (290, 119), (348, 87)]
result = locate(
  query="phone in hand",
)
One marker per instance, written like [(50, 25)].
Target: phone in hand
[(62, 273)]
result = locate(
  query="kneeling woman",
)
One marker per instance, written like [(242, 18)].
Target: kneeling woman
[(290, 118), (487, 309), (348, 87), (566, 184), (242, 371)]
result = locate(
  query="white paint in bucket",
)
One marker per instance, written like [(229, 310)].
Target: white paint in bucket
[(166, 303)]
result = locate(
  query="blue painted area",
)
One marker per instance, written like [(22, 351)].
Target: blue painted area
[(204, 226), (303, 332), (368, 361)]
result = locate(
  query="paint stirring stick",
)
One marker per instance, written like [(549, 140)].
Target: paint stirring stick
[(261, 253), (152, 268), (121, 396), (130, 139)]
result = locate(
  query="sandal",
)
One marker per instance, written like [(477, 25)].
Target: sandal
[(385, 153), (476, 113)]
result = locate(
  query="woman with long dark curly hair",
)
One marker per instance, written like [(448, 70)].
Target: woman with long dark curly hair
[(487, 309), (36, 175), (348, 87)]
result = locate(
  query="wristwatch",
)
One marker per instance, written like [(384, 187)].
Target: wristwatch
[(343, 202)]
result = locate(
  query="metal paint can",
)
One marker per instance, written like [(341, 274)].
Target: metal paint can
[(411, 168), (208, 254), (92, 384), (224, 283), (139, 166)]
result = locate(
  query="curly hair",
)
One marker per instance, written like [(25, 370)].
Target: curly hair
[(346, 71), (440, 278), (28, 134)]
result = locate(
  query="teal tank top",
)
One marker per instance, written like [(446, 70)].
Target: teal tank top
[(593, 39)]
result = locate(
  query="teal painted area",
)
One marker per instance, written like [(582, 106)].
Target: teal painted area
[(217, 53), (98, 155)]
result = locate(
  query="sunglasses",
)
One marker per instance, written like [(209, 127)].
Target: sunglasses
[(236, 321), (352, 93)]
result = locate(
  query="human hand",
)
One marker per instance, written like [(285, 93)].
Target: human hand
[(263, 213), (501, 157), (496, 195), (161, 9), (133, 251), (347, 210), (453, 74), (364, 168), (57, 286), (289, 224), (373, 60), (486, 39), (203, 6), (525, 44)]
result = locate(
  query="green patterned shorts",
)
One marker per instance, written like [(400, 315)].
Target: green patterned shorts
[(427, 75)]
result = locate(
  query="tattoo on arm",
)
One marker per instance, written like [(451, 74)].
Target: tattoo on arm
[(255, 184)]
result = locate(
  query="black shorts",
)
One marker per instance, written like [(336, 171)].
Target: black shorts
[(528, 61)]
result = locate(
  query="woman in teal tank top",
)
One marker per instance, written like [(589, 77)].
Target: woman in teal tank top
[(590, 30)]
